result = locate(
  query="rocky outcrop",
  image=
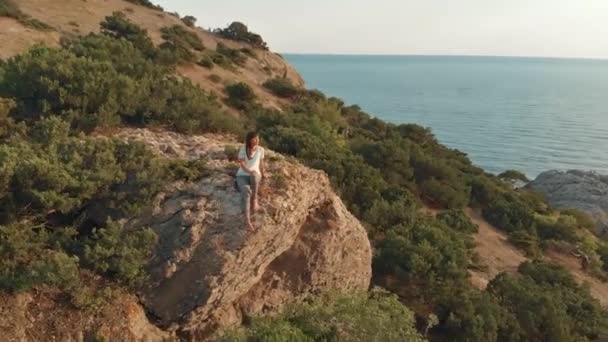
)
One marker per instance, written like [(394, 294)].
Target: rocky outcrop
[(44, 315), (209, 272), (586, 191)]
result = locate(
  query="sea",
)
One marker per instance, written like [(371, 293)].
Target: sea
[(527, 114)]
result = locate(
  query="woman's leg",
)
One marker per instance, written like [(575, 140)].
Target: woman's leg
[(255, 185), (243, 183)]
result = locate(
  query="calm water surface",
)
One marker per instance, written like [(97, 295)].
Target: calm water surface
[(530, 114)]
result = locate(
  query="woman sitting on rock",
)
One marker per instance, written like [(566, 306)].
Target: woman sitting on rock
[(250, 174)]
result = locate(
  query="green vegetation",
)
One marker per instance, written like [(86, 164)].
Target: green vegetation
[(119, 26), (374, 316), (8, 8), (206, 62), (513, 175), (239, 32), (282, 87), (63, 194), (179, 43), (146, 3), (233, 55), (189, 20), (240, 96)]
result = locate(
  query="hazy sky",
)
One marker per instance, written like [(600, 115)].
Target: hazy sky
[(557, 28)]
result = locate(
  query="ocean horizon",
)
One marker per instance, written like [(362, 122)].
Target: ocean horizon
[(526, 113)]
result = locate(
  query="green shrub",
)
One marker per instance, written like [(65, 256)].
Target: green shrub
[(189, 20), (513, 176), (240, 96), (146, 3), (564, 228), (109, 82), (282, 87), (206, 62), (179, 43), (582, 218), (509, 214), (249, 52), (458, 220), (233, 55), (425, 255), (119, 26), (239, 32), (119, 253), (548, 305), (526, 241), (28, 259), (188, 170), (374, 316)]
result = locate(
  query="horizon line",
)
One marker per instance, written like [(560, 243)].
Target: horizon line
[(439, 55)]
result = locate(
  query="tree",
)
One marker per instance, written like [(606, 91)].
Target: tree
[(513, 176), (239, 32), (189, 20)]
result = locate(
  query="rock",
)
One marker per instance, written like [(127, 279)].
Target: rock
[(209, 272), (44, 315), (586, 191)]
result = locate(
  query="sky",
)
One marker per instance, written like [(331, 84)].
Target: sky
[(550, 28)]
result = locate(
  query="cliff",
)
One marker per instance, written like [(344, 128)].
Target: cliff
[(208, 271)]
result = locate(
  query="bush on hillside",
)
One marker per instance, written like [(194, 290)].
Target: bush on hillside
[(509, 214), (119, 26), (233, 55), (563, 228), (582, 218), (179, 43), (29, 257), (513, 176), (189, 20), (109, 82), (241, 96), (426, 255), (458, 220), (146, 3), (239, 32), (282, 87), (119, 253), (547, 303), (373, 316), (206, 62)]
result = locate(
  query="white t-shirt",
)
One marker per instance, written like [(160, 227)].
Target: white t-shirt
[(254, 163)]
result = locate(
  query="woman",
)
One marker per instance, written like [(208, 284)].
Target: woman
[(250, 174)]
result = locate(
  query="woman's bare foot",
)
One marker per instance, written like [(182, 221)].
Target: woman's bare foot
[(250, 226)]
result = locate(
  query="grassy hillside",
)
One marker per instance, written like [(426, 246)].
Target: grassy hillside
[(63, 192)]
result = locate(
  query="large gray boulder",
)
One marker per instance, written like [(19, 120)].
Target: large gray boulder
[(583, 190)]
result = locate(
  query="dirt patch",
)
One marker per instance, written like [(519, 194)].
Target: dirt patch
[(598, 289), (15, 38), (498, 255)]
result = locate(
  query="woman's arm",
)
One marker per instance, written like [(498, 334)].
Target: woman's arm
[(244, 166), (262, 168)]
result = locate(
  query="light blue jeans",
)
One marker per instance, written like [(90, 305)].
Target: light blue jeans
[(248, 187)]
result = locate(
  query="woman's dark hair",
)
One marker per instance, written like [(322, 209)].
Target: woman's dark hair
[(248, 143)]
